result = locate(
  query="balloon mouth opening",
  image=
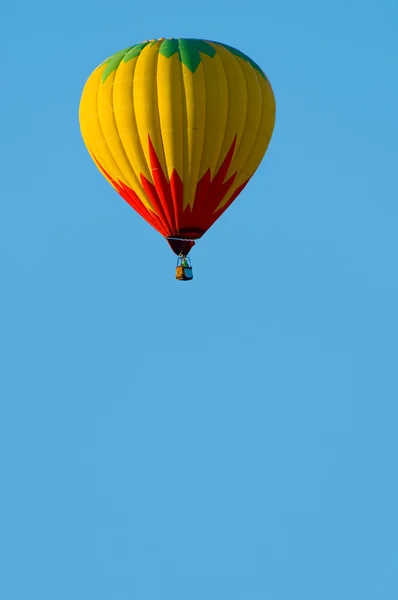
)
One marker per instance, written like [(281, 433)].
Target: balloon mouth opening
[(184, 240)]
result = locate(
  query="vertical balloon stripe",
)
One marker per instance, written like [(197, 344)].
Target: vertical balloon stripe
[(253, 117), (163, 190), (127, 126), (91, 127), (110, 130), (268, 107), (146, 102), (193, 93), (237, 101), (216, 102), (171, 124), (264, 131), (250, 164), (170, 111)]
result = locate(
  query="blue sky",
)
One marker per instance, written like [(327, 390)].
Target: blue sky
[(234, 437)]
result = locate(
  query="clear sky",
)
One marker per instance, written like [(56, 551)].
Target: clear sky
[(230, 438)]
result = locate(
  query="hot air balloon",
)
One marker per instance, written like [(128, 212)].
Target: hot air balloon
[(178, 127)]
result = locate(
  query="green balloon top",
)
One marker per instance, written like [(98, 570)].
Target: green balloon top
[(189, 52)]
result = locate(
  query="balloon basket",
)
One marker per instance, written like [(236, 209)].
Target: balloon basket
[(184, 269)]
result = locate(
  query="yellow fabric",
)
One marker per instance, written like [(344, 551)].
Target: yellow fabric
[(191, 117)]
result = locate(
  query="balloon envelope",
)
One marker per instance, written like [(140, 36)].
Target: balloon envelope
[(178, 127)]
